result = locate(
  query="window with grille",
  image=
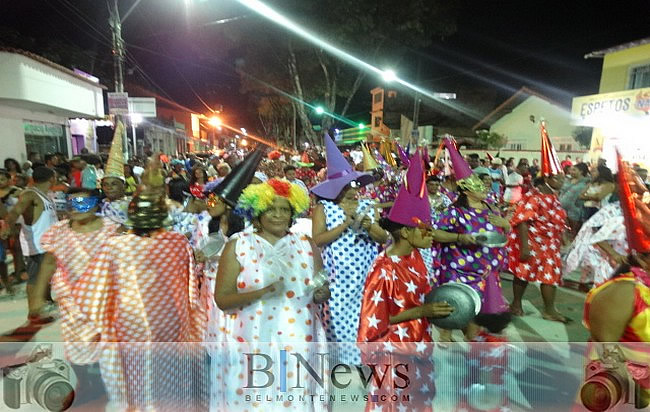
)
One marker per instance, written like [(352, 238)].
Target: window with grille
[(640, 77)]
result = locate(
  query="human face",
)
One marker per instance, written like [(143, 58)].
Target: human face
[(433, 187), (594, 173), (417, 237), (4, 181), (555, 182), (113, 188), (290, 175), (350, 195), (216, 206), (77, 209), (276, 219), (575, 172), (473, 162)]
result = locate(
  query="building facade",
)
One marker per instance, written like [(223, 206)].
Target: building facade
[(620, 112), (38, 99)]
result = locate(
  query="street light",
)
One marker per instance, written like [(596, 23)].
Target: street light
[(389, 76), (320, 110), (214, 121), (362, 126), (244, 131)]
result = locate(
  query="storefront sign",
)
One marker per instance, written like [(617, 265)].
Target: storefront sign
[(597, 109), (144, 106), (43, 129), (118, 103)]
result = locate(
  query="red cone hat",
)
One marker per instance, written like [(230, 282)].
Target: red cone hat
[(550, 164), (635, 199), (412, 203)]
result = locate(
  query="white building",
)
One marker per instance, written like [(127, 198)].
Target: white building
[(37, 100)]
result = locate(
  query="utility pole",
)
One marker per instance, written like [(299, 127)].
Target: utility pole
[(118, 60)]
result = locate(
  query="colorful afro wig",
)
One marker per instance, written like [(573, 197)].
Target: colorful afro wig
[(256, 199)]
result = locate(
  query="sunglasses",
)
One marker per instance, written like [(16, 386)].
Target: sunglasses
[(82, 204)]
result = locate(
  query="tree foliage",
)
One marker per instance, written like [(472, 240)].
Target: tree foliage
[(272, 59), (582, 135), (491, 140)]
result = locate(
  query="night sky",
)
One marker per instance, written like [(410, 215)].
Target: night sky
[(501, 45)]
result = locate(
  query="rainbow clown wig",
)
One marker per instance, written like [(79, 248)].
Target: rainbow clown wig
[(256, 199)]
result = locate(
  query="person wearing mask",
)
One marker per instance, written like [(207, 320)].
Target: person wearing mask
[(39, 214), (598, 191)]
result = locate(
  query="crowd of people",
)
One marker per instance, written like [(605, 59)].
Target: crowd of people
[(264, 247)]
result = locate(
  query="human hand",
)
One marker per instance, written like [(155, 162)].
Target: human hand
[(618, 259), (499, 221), (366, 223), (199, 256), (274, 289), (524, 254), (322, 293), (436, 310), (466, 240)]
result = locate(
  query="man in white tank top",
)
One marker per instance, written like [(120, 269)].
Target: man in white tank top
[(39, 213)]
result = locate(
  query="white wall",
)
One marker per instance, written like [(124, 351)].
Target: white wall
[(518, 128), (25, 79), (12, 133)]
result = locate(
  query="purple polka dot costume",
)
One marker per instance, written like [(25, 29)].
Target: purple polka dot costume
[(468, 264), (347, 259)]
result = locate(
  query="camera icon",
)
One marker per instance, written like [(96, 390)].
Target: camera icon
[(42, 380), (612, 382)]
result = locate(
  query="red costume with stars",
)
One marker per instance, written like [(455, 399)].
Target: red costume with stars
[(546, 221)]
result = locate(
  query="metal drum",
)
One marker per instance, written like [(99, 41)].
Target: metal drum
[(490, 239), (465, 301)]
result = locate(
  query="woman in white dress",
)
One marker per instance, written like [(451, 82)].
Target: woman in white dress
[(265, 281)]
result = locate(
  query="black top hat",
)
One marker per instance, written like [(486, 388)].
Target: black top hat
[(241, 176)]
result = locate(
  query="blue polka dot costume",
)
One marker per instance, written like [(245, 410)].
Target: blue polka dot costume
[(347, 259)]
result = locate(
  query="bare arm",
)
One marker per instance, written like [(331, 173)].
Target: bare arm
[(442, 236), (45, 272), (321, 294), (605, 324), (524, 248), (226, 295), (376, 232), (319, 231), (428, 310), (25, 200)]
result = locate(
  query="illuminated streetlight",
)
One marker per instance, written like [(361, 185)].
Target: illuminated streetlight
[(389, 76), (244, 131), (136, 118), (215, 121), (244, 142), (362, 126), (320, 110)]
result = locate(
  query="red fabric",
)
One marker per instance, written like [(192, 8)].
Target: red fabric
[(550, 164), (75, 178), (546, 221), (395, 284), (634, 202)]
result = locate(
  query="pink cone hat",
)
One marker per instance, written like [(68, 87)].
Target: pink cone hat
[(461, 168), (339, 173), (412, 202)]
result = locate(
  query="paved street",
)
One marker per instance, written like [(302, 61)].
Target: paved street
[(543, 374)]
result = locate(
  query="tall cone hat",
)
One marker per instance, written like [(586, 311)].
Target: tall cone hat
[(550, 164), (241, 176), (460, 166), (386, 151), (403, 157), (115, 163), (369, 162), (635, 202), (411, 205)]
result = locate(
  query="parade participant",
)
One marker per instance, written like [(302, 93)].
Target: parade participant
[(599, 190), (600, 247), (13, 168), (146, 290), (39, 214), (347, 252), (130, 180), (439, 201), (265, 280), (198, 180), (290, 175), (114, 205), (461, 259), (628, 288), (9, 195), (393, 308), (70, 246), (570, 193), (534, 244)]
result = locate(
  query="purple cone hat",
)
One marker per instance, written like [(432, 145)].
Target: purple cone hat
[(403, 157), (461, 168), (411, 207), (339, 173)]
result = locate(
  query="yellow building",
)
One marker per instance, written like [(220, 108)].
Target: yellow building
[(620, 112)]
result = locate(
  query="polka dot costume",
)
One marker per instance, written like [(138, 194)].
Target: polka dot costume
[(289, 320), (347, 259), (469, 264)]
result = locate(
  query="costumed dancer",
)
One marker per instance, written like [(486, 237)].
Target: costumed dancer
[(214, 226), (383, 189), (439, 202), (266, 282), (600, 247), (393, 312), (534, 245), (346, 229), (627, 290), (461, 258)]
